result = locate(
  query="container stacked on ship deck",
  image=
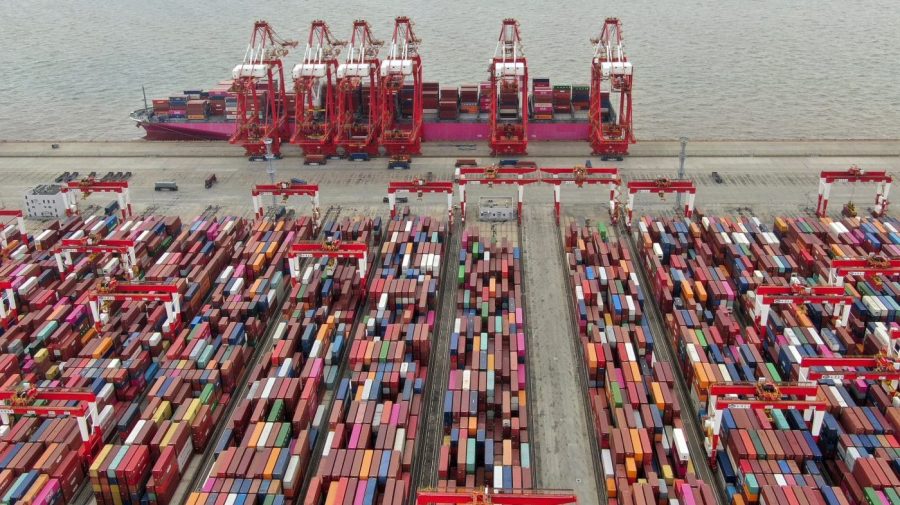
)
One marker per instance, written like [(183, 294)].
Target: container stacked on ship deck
[(635, 410), (235, 282), (700, 270), (374, 422), (486, 437), (58, 346), (265, 447)]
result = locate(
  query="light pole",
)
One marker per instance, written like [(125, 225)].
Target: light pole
[(270, 169), (681, 158)]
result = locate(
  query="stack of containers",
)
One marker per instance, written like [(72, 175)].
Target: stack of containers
[(484, 97), (486, 437), (374, 422), (636, 413), (581, 97), (54, 344), (468, 98), (407, 96), (430, 97), (541, 99), (161, 108), (178, 107), (700, 268), (197, 109), (508, 104), (449, 106), (562, 99), (266, 446)]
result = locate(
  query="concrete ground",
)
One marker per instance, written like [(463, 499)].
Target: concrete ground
[(762, 178)]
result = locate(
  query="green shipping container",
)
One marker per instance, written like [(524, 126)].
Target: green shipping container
[(276, 413)]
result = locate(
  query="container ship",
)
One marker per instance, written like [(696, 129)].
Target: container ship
[(342, 98)]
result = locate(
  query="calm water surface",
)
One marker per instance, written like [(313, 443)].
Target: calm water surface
[(724, 69)]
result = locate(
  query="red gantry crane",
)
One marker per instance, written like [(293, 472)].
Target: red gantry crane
[(329, 248), (489, 496), (661, 187), (358, 120), (21, 402), (5, 227), (867, 267), (96, 246), (420, 187), (509, 93), (611, 76), (400, 73), (759, 396), (797, 294), (880, 178), (262, 110), (90, 185), (285, 190), (110, 290), (314, 84), (9, 312), (579, 176), (495, 175)]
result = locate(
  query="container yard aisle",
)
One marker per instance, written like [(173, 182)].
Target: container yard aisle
[(426, 460), (694, 433), (559, 415)]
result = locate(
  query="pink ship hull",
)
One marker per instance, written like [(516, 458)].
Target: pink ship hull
[(432, 132)]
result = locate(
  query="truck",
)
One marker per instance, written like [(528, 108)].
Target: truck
[(165, 185)]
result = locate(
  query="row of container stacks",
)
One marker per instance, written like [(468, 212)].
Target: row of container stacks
[(238, 284), (485, 417), (265, 448), (635, 410), (447, 102), (218, 102), (705, 274), (375, 420)]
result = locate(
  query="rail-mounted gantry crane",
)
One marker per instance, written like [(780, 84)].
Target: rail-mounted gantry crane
[(612, 77), (400, 74), (314, 85), (508, 74), (262, 110), (853, 175), (358, 120)]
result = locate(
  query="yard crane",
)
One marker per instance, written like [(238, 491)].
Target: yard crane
[(358, 120), (854, 174), (314, 84), (487, 496), (579, 176), (110, 290), (401, 71), (90, 185), (420, 187), (22, 400), (285, 190), (96, 246), (611, 74), (509, 93), (797, 294), (6, 229), (332, 249), (9, 312), (661, 187), (496, 175), (868, 267), (761, 395), (261, 98)]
